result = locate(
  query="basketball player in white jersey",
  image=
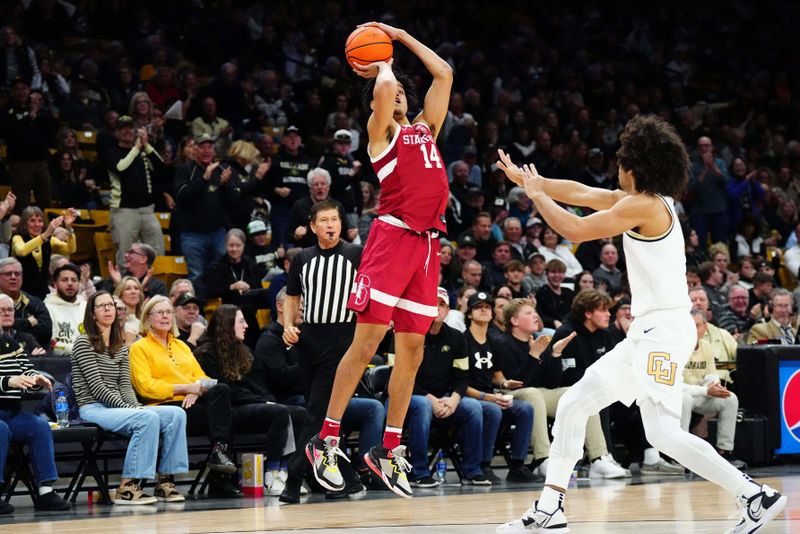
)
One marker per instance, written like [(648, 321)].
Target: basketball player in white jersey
[(648, 365)]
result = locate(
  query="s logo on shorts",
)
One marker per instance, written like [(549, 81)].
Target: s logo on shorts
[(361, 289), (661, 369)]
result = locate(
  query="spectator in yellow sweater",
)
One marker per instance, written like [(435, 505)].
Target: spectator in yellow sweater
[(164, 371), (34, 244)]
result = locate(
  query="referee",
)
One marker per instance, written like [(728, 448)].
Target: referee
[(320, 278)]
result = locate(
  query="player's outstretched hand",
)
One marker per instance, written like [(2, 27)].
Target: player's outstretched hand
[(391, 31), (514, 173), (371, 70)]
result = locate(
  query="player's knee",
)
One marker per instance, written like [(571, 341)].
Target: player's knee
[(657, 436)]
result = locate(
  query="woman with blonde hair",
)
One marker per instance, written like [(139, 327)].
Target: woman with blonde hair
[(130, 292), (164, 372), (34, 244), (244, 160), (143, 112)]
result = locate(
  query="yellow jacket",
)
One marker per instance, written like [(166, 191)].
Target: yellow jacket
[(20, 247), (156, 369)]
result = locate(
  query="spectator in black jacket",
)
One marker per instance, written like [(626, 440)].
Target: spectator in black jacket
[(236, 279), (191, 325), (28, 130), (133, 168), (203, 192), (31, 315), (224, 356), (439, 398), (17, 59), (344, 171), (298, 230), (248, 175), (17, 375), (286, 181), (284, 376), (554, 300)]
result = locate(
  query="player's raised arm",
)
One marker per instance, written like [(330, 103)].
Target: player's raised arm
[(567, 191), (380, 125), (437, 99)]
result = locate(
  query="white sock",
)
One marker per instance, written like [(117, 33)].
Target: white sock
[(651, 456), (550, 500), (748, 487), (44, 490)]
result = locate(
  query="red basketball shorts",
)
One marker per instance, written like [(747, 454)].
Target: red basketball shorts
[(397, 279)]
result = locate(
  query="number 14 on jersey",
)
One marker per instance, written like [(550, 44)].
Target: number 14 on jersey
[(433, 156)]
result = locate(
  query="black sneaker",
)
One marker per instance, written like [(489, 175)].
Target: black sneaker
[(735, 462), (218, 459), (424, 482), (353, 487), (521, 474), (391, 467), (6, 508), (291, 493), (477, 480), (221, 486), (490, 476), (51, 502)]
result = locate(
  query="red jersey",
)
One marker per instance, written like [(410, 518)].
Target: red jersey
[(414, 185)]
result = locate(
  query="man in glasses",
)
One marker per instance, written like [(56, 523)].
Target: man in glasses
[(30, 313), (138, 258)]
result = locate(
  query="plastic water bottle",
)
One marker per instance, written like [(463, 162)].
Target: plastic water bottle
[(441, 469), (62, 408)]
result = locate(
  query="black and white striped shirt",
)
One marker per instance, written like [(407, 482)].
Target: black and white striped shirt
[(324, 279), (97, 377), (13, 362)]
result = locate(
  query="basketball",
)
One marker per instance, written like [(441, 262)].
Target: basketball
[(367, 45)]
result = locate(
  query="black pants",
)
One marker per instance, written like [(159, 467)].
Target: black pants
[(320, 349), (211, 415), (271, 419)]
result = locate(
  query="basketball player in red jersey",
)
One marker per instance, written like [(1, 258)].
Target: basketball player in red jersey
[(399, 270)]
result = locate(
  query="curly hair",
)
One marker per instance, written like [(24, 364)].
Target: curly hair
[(367, 92), (219, 343), (652, 150)]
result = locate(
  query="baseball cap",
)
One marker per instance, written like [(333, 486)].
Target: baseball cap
[(256, 227), (203, 138), (291, 129), (442, 294), (473, 192), (186, 298), (467, 241), (624, 301), (342, 136), (478, 298), (595, 152), (125, 120), (532, 221)]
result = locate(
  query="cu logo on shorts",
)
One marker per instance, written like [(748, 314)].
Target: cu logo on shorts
[(661, 369), (361, 289)]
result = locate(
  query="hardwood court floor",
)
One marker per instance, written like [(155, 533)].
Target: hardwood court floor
[(661, 508)]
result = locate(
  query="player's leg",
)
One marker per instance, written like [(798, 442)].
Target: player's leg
[(604, 382), (759, 504), (323, 449)]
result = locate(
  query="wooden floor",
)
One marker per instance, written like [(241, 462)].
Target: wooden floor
[(661, 508)]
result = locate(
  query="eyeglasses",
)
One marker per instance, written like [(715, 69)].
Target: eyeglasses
[(163, 313), (12, 274), (6, 311), (104, 306), (135, 252)]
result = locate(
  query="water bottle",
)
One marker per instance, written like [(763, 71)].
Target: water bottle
[(62, 408), (441, 469)]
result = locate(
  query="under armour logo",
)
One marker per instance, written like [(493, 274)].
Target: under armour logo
[(483, 362)]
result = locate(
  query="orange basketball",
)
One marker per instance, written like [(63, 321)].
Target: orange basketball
[(367, 45)]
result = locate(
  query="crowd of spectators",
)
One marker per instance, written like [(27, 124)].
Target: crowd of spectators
[(237, 119)]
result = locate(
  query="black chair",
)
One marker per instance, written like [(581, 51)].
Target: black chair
[(375, 382)]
